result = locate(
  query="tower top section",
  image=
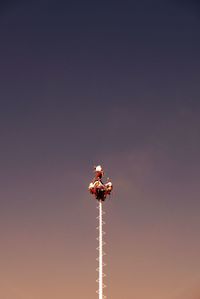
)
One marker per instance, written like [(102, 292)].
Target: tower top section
[(97, 187)]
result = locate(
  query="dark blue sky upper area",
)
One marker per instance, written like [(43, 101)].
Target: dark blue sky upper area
[(100, 76)]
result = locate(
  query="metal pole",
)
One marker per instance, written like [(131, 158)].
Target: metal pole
[(100, 252), (101, 275)]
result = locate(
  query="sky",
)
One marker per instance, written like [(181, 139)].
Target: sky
[(115, 83)]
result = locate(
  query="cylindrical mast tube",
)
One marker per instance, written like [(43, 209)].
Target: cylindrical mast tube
[(100, 252)]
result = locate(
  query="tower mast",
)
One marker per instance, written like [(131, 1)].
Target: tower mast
[(100, 192), (101, 253)]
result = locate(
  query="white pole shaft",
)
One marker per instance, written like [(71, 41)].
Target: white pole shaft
[(100, 252)]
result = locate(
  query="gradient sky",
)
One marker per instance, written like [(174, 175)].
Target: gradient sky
[(89, 82)]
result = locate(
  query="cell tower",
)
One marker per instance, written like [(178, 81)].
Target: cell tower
[(100, 191)]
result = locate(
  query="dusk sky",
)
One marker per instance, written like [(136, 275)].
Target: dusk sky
[(115, 83)]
